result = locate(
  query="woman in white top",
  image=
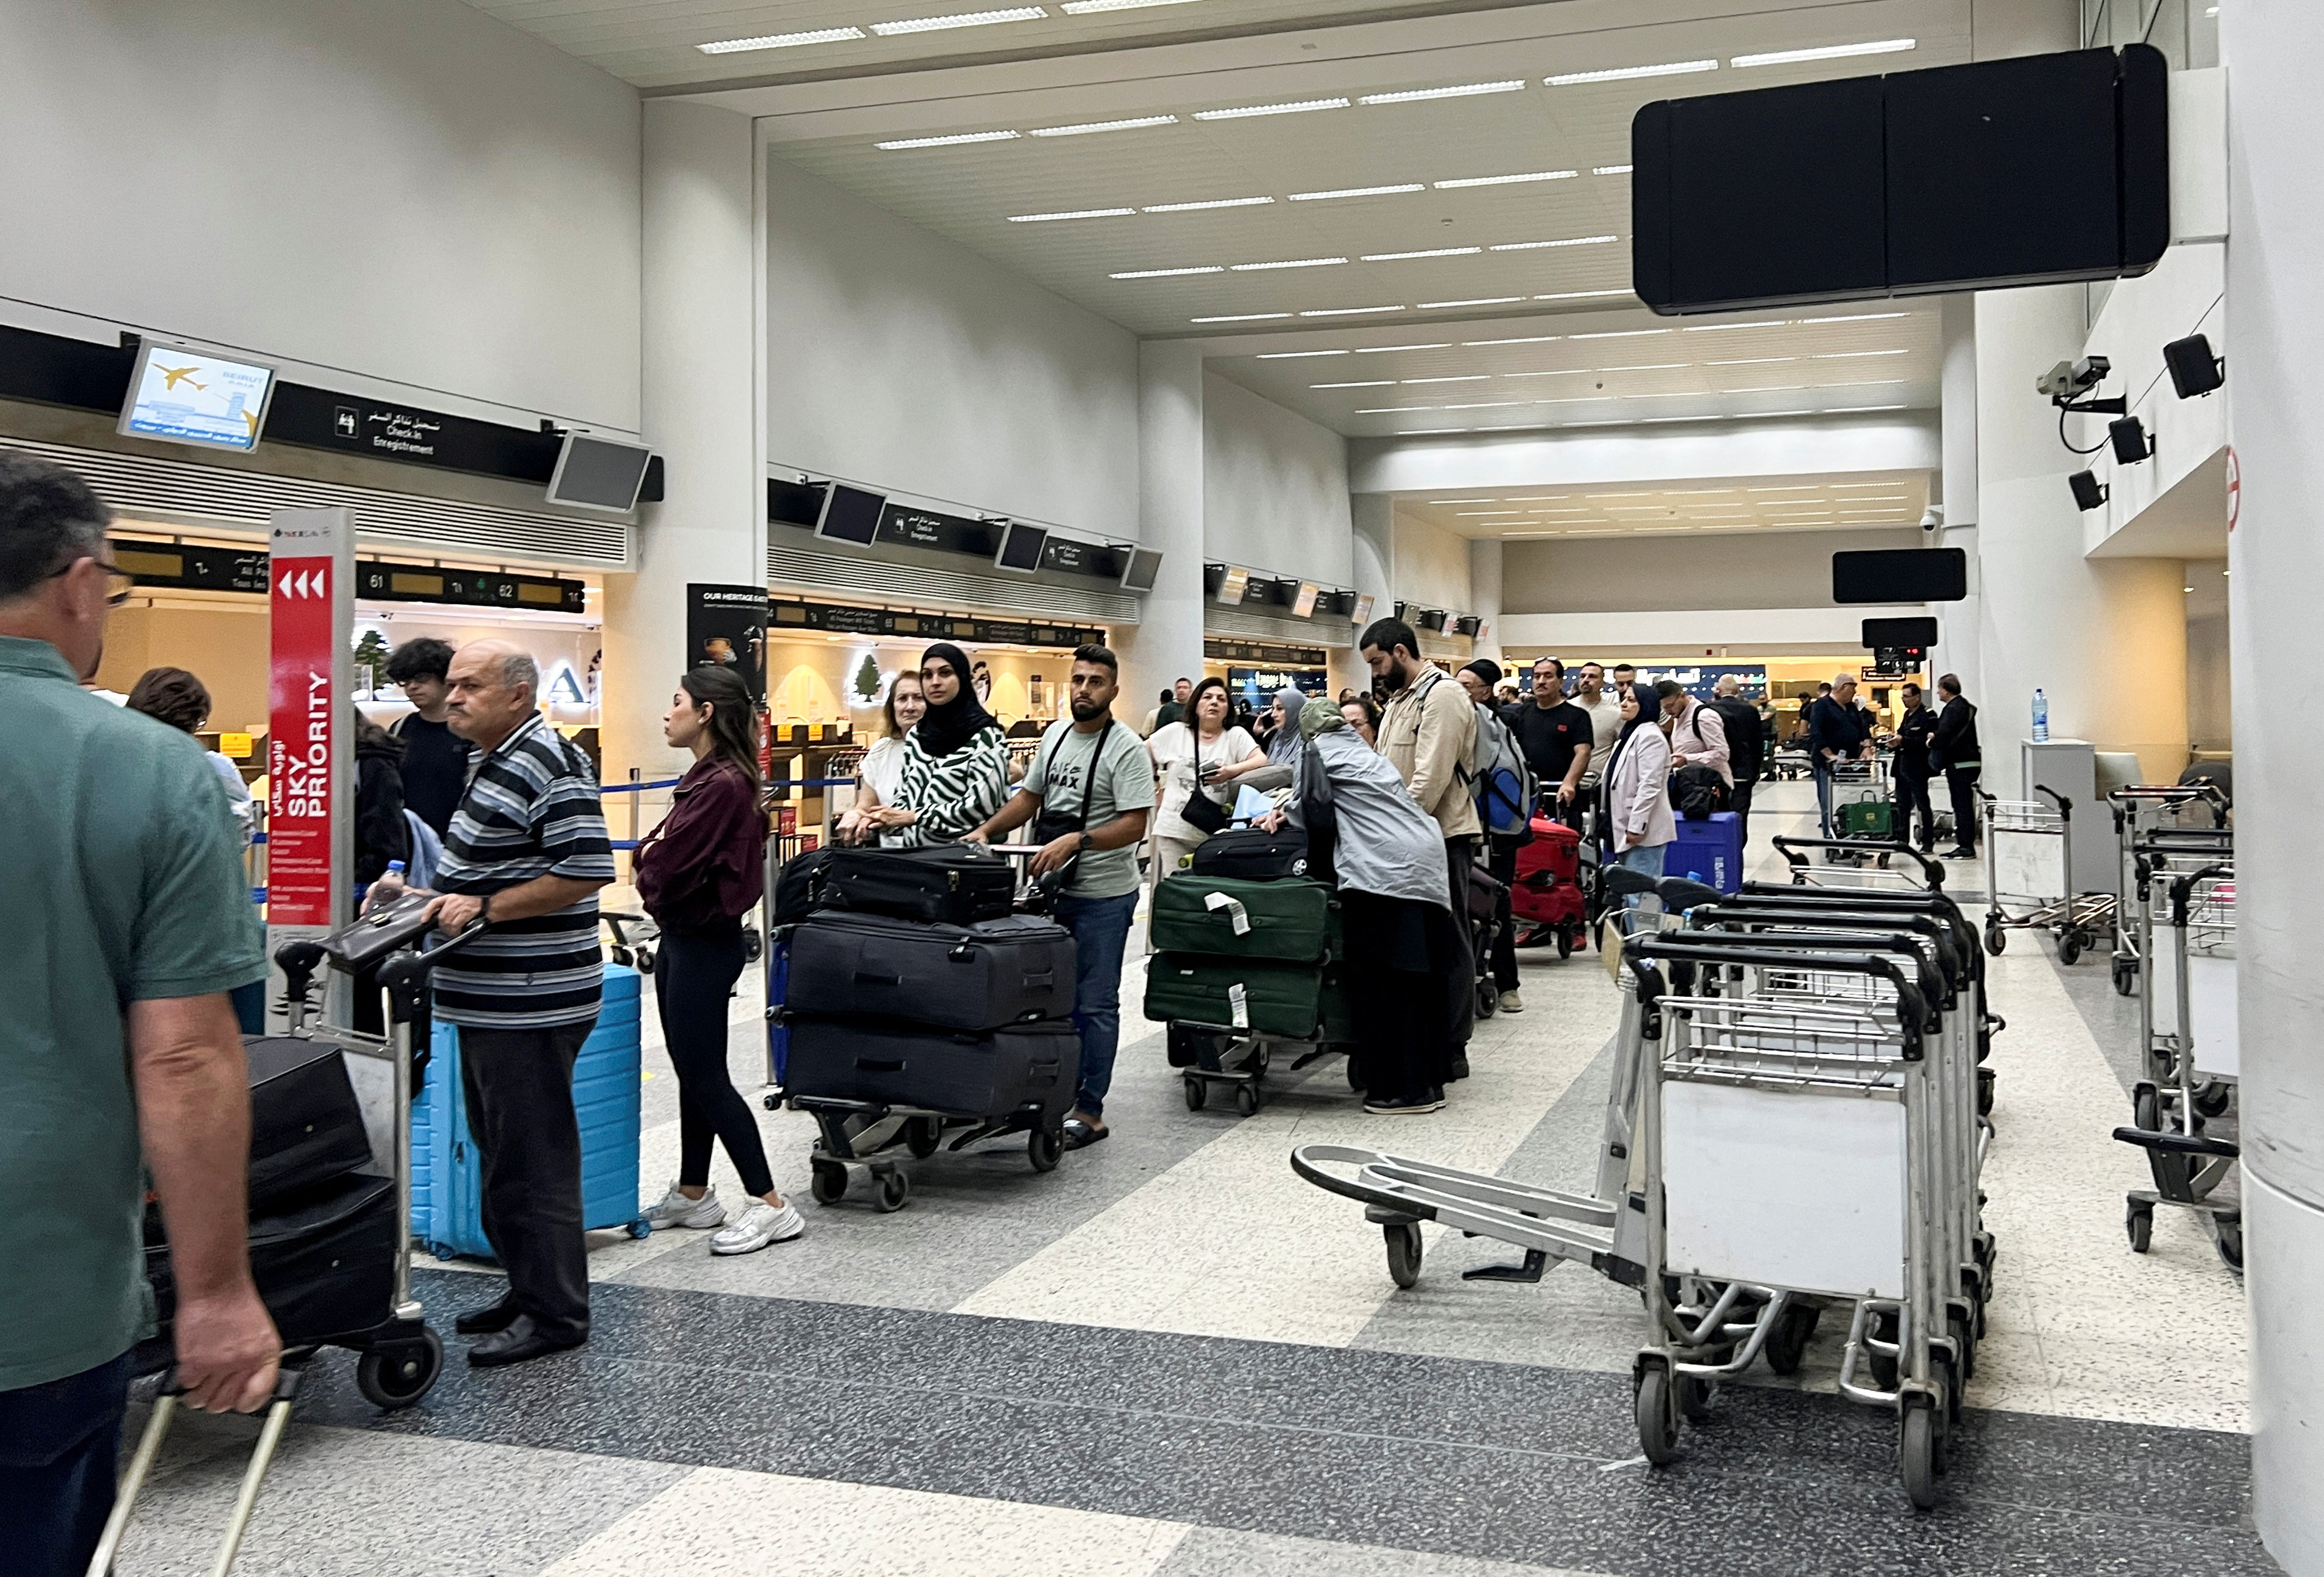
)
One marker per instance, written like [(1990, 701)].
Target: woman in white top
[(1201, 755), (883, 764), (1635, 821)]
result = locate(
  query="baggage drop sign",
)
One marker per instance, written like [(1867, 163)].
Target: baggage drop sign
[(300, 741)]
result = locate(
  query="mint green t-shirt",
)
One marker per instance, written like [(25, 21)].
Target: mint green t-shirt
[(1096, 776), (122, 880)]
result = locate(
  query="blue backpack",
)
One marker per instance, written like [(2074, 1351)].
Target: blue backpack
[(1501, 781)]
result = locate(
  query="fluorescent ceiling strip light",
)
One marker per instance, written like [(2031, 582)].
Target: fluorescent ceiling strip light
[(1466, 90), (1505, 179), (1431, 252), (1580, 295), (1473, 301), (1753, 361), (1768, 389), (1075, 213), (1366, 350), (1860, 409), (1479, 514), (1086, 127), (1715, 327), (1249, 202), (1778, 413), (1347, 312), (781, 41), (953, 141), (1796, 487), (1357, 191), (1609, 170), (1091, 7), (1886, 46), (1850, 486), (1254, 318), (1416, 432), (1300, 106), (1460, 378), (1538, 245), (1621, 334), (1625, 73), (1371, 383), (1511, 536), (1485, 405), (1287, 355), (1398, 410), (1702, 493), (1529, 339), (1464, 500), (1649, 367), (1868, 384), (1846, 356), (1166, 273), (1858, 317), (1290, 263), (958, 19)]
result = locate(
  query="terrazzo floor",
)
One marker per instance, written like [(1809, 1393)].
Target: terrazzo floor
[(1172, 1357)]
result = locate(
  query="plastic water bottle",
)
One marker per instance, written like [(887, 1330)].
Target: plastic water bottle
[(2041, 716), (395, 868)]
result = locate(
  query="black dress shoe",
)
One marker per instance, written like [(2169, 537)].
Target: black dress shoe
[(1458, 1068), (488, 1320), (520, 1342)]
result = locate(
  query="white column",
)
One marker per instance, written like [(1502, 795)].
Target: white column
[(1956, 650), (1485, 593), (1167, 643), (2274, 349), (701, 405), (1372, 568), (2104, 639)]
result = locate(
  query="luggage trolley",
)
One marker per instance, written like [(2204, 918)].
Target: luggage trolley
[(2025, 875), (2188, 1166), (1863, 808), (399, 1356), (2140, 810), (1917, 873), (2161, 857)]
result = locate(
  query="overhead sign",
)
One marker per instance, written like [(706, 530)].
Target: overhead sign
[(846, 619)]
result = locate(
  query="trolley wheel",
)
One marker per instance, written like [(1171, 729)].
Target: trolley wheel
[(1883, 1364), (640, 1228), (2231, 1242), (1042, 1148), (2212, 1099), (1695, 1398), (827, 1182), (1917, 1452), (1787, 1343), (645, 958), (1488, 998), (895, 1187), (2125, 977), (2138, 1222), (2146, 1109), (1197, 1094), (1995, 939), (1657, 1421), (755, 946), (2070, 948), (923, 1136), (396, 1377), (1246, 1099), (771, 1102), (1404, 1252), (1565, 941), (1985, 1091)]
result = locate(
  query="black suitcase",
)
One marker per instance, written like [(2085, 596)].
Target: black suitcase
[(1012, 970), (955, 884), (1023, 1067), (306, 1126), (324, 1268), (1252, 854)]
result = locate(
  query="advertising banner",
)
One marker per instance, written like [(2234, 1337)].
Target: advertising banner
[(726, 626), (301, 730)]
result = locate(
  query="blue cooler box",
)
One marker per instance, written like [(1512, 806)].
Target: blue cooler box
[(446, 1175), (1709, 852)]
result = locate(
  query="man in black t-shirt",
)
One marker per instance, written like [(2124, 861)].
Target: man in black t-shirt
[(1745, 745), (435, 759), (1555, 736)]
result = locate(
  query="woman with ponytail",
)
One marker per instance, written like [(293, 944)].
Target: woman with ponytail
[(697, 874)]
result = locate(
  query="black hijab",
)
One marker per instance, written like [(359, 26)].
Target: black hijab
[(948, 727)]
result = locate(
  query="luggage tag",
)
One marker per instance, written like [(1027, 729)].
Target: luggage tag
[(1239, 1005), (1237, 916)]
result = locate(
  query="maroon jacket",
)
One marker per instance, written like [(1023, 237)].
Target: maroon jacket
[(706, 862)]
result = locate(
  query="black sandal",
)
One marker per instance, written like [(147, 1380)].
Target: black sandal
[(1080, 1135)]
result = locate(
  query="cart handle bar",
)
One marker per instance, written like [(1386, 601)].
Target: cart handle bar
[(1678, 945), (1933, 870), (2183, 888), (1933, 980), (1848, 921)]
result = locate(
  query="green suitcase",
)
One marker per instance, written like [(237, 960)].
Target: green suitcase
[(1292, 1001), (1220, 916), (1865, 818)]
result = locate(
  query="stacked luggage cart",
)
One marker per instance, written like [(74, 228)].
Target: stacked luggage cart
[(2027, 875), (1791, 1127), (2153, 819)]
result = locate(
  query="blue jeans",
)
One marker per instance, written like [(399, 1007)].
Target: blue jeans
[(1823, 794), (1100, 928), (1647, 859), (58, 1446)]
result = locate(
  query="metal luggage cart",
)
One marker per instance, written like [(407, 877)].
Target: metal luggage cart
[(2139, 811), (1894, 867), (1240, 1061), (1863, 810), (2205, 1056), (2026, 880), (2160, 858), (1799, 1142)]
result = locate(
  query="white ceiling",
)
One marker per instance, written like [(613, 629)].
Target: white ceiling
[(1857, 501)]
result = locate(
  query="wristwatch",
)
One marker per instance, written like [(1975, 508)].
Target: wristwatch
[(1084, 847)]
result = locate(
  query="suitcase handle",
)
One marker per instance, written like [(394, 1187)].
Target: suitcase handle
[(876, 979), (879, 1065)]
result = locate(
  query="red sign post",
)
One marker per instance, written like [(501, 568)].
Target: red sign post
[(300, 734)]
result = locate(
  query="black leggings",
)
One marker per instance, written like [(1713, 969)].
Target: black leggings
[(693, 974)]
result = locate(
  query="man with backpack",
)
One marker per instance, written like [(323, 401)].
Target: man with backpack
[(1504, 789), (1701, 782), (1746, 746)]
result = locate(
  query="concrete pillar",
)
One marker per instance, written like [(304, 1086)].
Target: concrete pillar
[(2275, 347), (1372, 566), (1167, 643), (1485, 595), (703, 354), (2104, 639), (1956, 650)]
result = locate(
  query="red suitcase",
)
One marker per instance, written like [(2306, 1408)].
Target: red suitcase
[(1547, 899)]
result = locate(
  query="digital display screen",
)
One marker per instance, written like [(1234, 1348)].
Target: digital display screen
[(598, 473), (416, 585), (851, 514), (1020, 549), (1900, 574), (193, 397), (1363, 612), (1145, 566), (153, 565), (1303, 606), (539, 593)]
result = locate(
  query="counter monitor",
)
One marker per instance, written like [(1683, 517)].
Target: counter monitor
[(188, 396), (850, 514), (598, 473), (1141, 568), (1021, 547)]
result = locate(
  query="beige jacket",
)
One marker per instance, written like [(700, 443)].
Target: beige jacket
[(1426, 735)]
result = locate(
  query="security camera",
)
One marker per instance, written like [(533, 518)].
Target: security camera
[(2128, 437), (2071, 380), (1932, 517), (2089, 493)]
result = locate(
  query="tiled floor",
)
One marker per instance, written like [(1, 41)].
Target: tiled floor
[(1172, 1357)]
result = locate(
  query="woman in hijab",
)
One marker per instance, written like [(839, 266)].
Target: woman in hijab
[(955, 769), (1635, 816), (1407, 974), (1283, 745)]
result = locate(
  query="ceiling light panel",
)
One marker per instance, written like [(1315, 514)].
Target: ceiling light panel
[(1468, 180), (1166, 273), (1464, 90), (1290, 356), (1287, 262), (1627, 73), (953, 141), (1095, 7), (1087, 128), (1371, 383), (1075, 213), (1431, 252), (1887, 46), (781, 41), (1356, 191), (1249, 202), (958, 19), (1249, 318), (1248, 111), (1347, 311), (1538, 245)]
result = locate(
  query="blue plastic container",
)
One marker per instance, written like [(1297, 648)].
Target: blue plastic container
[(1710, 852), (447, 1173)]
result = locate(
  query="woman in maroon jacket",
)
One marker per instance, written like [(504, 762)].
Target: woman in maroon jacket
[(698, 873)]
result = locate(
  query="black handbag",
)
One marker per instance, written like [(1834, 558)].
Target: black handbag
[(396, 924)]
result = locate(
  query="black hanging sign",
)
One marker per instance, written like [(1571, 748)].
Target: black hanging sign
[(726, 627)]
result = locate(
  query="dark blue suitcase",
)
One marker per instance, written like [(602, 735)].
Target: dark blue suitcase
[(1710, 852)]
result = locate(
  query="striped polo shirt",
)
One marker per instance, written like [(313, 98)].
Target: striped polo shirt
[(530, 810)]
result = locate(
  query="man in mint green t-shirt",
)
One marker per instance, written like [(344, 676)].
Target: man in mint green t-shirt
[(1092, 784), (119, 1052)]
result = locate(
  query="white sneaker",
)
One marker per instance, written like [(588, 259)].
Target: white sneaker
[(676, 1210), (1511, 1002), (760, 1225)]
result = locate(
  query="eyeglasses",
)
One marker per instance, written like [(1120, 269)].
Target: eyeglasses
[(119, 583)]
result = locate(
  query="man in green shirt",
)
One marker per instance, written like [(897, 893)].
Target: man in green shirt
[(1092, 784), (117, 1044)]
